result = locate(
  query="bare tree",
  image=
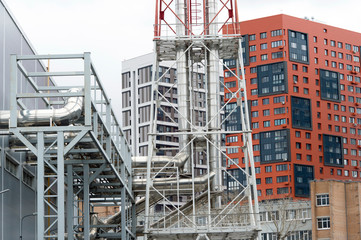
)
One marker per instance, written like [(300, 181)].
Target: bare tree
[(284, 216)]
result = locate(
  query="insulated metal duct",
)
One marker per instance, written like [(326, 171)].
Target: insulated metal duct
[(172, 183), (45, 117), (160, 161)]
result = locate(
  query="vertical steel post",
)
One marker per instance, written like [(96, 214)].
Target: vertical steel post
[(61, 186), (87, 86), (86, 202), (70, 203), (13, 92), (255, 211), (151, 140), (123, 205), (40, 186)]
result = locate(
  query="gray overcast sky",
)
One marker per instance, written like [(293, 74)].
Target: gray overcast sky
[(115, 30)]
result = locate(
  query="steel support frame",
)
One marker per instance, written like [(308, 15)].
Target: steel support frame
[(56, 175), (184, 44)]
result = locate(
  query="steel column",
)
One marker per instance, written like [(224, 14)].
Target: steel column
[(61, 186), (70, 202), (40, 187), (86, 202)]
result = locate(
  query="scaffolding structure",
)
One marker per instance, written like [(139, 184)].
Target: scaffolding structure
[(196, 206), (81, 156)]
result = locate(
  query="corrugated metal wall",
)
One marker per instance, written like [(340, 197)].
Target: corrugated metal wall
[(21, 199)]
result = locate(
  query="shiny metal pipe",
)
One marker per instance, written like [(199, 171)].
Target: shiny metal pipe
[(160, 161), (171, 183), (71, 112)]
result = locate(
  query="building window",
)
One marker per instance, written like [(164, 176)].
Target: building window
[(304, 174), (252, 37), (266, 112), (264, 57), (332, 150), (11, 166), (280, 99), (232, 150), (298, 46), (265, 101), (268, 169), (323, 223), (281, 179), (277, 32), (263, 46), (232, 139), (348, 46), (253, 92), (280, 110), (263, 35), (266, 123), (277, 55), (322, 200), (274, 145), (28, 178), (301, 113), (271, 78), (231, 84), (253, 59), (283, 190), (276, 43), (280, 121), (269, 192), (330, 82), (268, 180), (252, 48), (281, 167)]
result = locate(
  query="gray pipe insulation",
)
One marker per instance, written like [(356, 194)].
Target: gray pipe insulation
[(45, 117)]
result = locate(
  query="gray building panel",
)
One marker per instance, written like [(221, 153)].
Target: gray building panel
[(20, 200)]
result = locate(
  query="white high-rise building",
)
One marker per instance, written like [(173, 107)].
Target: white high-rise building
[(136, 105)]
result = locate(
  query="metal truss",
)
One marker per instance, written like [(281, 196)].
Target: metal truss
[(196, 206), (80, 162)]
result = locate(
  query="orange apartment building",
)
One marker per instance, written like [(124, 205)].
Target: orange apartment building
[(303, 86), (335, 207)]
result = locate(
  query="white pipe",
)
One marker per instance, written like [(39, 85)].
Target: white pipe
[(171, 183), (63, 116), (160, 161)]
